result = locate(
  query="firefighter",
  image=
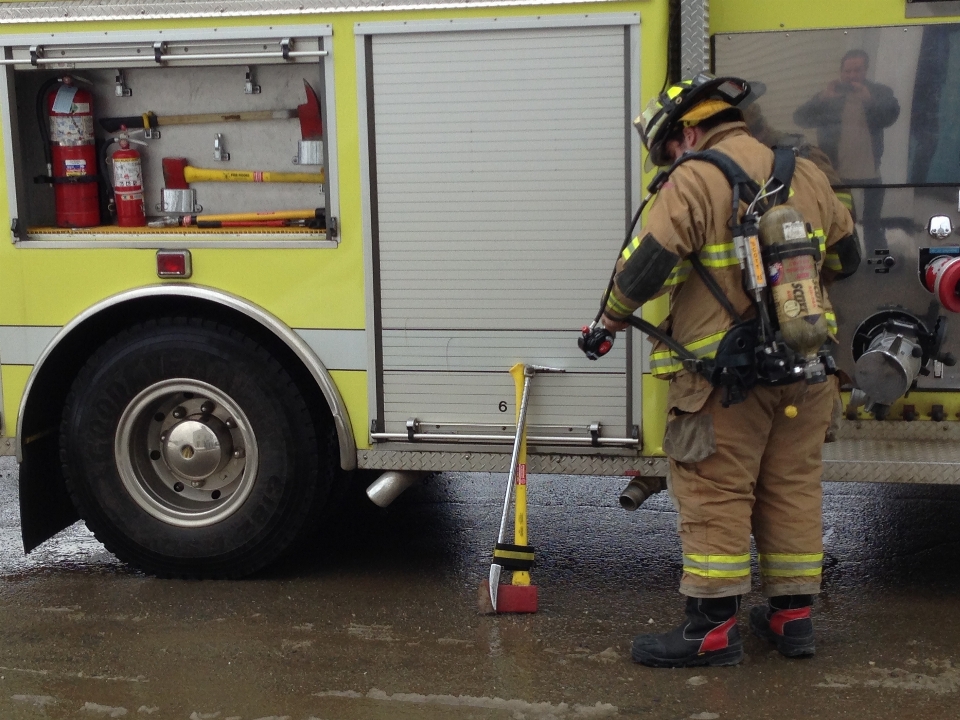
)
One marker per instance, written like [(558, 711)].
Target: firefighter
[(751, 466)]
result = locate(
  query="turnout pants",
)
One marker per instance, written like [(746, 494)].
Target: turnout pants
[(751, 467)]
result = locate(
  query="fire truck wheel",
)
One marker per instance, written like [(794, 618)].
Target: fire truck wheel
[(189, 451)]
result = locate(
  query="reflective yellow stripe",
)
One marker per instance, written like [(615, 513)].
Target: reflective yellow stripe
[(665, 365), (664, 362), (679, 274), (628, 250), (831, 321), (700, 348), (820, 238), (719, 255), (846, 199), (677, 89), (830, 259), (791, 564), (617, 308), (742, 558), (718, 566)]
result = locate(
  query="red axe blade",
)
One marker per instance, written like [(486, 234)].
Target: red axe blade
[(311, 126)]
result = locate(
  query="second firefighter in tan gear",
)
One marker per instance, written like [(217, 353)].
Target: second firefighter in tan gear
[(756, 465)]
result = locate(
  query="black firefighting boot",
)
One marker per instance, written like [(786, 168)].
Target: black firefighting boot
[(708, 637), (786, 623)]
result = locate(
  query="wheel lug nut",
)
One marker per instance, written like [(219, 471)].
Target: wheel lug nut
[(238, 453), (230, 423), (178, 486), (207, 407), (163, 438), (198, 483), (179, 412)]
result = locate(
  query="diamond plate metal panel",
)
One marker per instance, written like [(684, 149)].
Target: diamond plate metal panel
[(919, 461), (500, 462), (694, 37), (899, 430), (86, 10), (895, 452)]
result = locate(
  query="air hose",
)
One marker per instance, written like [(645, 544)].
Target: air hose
[(595, 340)]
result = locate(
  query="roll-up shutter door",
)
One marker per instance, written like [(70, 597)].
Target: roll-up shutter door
[(500, 169)]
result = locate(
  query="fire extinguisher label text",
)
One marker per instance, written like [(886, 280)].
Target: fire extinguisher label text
[(127, 173), (75, 168), (71, 129)]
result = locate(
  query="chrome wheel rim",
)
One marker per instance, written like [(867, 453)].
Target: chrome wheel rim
[(186, 452)]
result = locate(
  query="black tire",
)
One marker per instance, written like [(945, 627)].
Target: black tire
[(137, 444)]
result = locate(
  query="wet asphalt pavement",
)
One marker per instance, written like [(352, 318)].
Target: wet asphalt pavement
[(381, 621)]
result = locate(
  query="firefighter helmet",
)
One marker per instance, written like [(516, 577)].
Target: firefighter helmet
[(689, 101)]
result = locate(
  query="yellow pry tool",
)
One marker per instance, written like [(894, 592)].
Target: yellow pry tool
[(518, 556)]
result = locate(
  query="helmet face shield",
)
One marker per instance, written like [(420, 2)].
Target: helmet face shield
[(662, 113), (649, 123)]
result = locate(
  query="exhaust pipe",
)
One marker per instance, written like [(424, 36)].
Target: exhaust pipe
[(639, 489), (387, 488)]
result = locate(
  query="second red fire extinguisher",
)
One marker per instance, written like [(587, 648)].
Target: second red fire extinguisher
[(128, 183)]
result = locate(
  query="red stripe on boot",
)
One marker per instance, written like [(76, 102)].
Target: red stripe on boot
[(717, 638), (782, 617)]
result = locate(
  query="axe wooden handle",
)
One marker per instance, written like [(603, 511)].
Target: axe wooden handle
[(193, 174), (247, 115), (256, 216), (152, 120)]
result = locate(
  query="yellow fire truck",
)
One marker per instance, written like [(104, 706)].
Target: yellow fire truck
[(255, 245)]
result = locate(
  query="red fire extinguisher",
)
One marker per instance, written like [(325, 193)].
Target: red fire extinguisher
[(128, 183), (73, 155)]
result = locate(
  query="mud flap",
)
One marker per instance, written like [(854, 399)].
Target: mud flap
[(45, 506)]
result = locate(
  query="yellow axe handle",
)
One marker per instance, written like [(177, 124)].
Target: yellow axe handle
[(520, 577), (193, 174), (255, 216)]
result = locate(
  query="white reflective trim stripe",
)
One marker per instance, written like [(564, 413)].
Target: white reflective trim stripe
[(337, 349), (348, 444), (24, 344)]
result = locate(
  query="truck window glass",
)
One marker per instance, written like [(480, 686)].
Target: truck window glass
[(874, 107)]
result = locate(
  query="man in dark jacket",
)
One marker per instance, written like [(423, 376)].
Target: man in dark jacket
[(850, 115)]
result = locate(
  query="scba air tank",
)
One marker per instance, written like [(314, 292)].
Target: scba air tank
[(794, 281)]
